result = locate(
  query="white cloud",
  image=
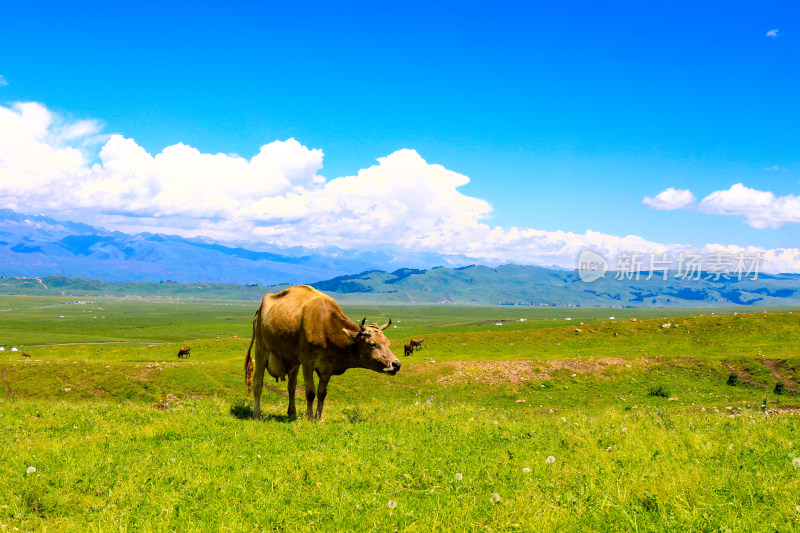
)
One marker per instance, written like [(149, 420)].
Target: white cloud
[(772, 33), (670, 199), (3, 81), (761, 209), (278, 196)]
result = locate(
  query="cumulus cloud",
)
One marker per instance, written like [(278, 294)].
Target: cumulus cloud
[(761, 209), (670, 199), (278, 196), (772, 33), (35, 152)]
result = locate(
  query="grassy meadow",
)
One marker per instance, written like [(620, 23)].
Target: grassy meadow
[(587, 424)]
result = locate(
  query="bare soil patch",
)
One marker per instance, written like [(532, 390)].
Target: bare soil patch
[(778, 369), (147, 368), (744, 375), (516, 372)]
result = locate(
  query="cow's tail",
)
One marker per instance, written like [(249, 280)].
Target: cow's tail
[(248, 362)]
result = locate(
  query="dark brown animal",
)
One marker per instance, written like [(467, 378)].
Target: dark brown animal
[(408, 349), (184, 352), (24, 354), (302, 327), (417, 343)]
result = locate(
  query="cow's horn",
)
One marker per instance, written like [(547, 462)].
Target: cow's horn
[(383, 327), (363, 322)]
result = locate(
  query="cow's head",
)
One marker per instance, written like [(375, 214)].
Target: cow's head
[(372, 348)]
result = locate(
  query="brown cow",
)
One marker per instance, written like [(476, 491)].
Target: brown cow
[(302, 327), (24, 354), (417, 343), (408, 349), (184, 352)]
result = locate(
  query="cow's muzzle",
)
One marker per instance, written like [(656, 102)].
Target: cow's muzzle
[(393, 368)]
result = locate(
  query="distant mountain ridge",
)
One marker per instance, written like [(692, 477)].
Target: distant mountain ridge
[(535, 286), (37, 245), (73, 258), (472, 285)]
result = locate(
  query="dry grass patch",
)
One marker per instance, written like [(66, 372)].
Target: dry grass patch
[(521, 371)]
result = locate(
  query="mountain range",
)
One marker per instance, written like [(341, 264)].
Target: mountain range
[(37, 245), (39, 255)]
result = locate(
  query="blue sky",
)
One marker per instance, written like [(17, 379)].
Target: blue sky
[(563, 115)]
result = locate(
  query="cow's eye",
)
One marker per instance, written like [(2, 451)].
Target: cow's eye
[(372, 344)]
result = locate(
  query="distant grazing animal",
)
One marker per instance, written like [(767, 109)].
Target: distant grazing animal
[(417, 343), (24, 354), (302, 327), (408, 349), (184, 352)]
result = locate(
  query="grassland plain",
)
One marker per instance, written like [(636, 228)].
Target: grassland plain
[(543, 424)]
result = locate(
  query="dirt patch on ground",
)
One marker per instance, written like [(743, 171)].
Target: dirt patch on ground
[(516, 372), (786, 411), (147, 368), (167, 401), (743, 375), (778, 369), (300, 391)]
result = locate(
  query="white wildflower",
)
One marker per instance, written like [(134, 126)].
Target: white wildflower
[(550, 459), (526, 470), (496, 497), (32, 469), (459, 477), (795, 462), (391, 504)]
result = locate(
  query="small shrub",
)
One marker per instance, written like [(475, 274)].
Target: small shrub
[(733, 379), (780, 388), (659, 391)]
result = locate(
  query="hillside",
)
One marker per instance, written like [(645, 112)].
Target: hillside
[(533, 286), (473, 285)]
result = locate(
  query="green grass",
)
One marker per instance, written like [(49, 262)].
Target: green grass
[(480, 400)]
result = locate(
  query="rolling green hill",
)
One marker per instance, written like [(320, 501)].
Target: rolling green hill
[(515, 285)]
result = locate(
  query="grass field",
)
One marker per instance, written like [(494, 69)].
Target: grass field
[(536, 425)]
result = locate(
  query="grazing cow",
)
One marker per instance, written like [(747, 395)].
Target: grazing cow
[(408, 349), (417, 343), (184, 352), (24, 354), (302, 327)]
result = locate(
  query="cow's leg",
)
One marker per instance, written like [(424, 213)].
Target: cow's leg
[(308, 376), (322, 391), (261, 356), (292, 388)]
